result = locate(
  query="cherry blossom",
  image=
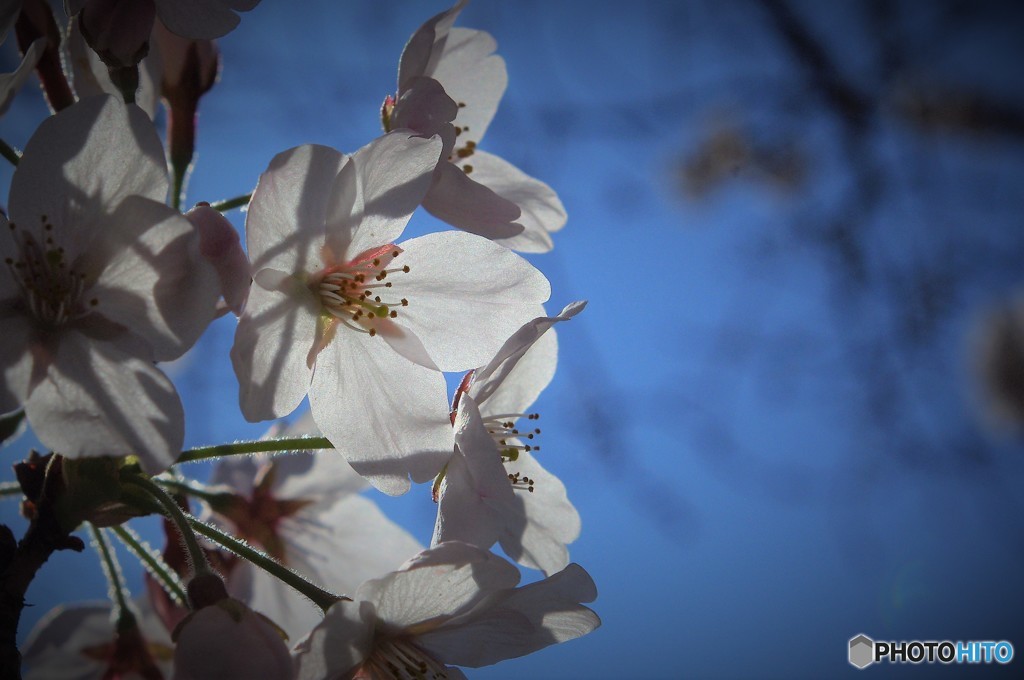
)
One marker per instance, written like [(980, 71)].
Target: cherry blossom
[(472, 190), (493, 488), (82, 642), (101, 280), (360, 323), (452, 604), (304, 510)]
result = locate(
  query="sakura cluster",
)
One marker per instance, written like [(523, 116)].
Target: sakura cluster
[(277, 565)]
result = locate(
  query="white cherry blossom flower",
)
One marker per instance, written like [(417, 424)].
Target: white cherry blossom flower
[(101, 279), (304, 509), (338, 310), (472, 190), (453, 604), (493, 489)]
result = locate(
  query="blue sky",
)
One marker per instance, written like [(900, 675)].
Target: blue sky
[(767, 415)]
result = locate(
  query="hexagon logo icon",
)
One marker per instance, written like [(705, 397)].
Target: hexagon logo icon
[(862, 651)]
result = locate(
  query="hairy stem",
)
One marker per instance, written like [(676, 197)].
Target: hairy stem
[(318, 595), (153, 563), (111, 569), (230, 203), (196, 556), (258, 446), (8, 152)]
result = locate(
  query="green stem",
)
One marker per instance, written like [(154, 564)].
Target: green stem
[(153, 563), (322, 598), (178, 173), (111, 569), (195, 553), (259, 446), (8, 152), (189, 490), (10, 489), (228, 204)]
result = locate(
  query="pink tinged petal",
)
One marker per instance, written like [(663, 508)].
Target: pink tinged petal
[(229, 640), (10, 83), (201, 19), (524, 621), (386, 415), (390, 176), (425, 107), (103, 397), (462, 202), (16, 358), (472, 75), (477, 501), (545, 522), (154, 281), (284, 226), (220, 245), (439, 584), (272, 347), (466, 295), (541, 210), (338, 644), (114, 153), (426, 45), (523, 367)]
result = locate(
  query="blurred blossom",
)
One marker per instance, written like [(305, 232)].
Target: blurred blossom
[(453, 604)]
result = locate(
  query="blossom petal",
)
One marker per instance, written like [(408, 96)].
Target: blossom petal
[(386, 415), (424, 106), (284, 226), (10, 83), (543, 522), (102, 397), (523, 367), (426, 45), (272, 345), (472, 75), (16, 359), (220, 245), (541, 210), (80, 165), (339, 549), (155, 281), (338, 644), (476, 497), (440, 583), (229, 640), (527, 619), (201, 19), (377, 193), (466, 296), (461, 202)]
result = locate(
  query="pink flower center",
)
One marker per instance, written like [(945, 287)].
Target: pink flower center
[(358, 293), (51, 288)]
